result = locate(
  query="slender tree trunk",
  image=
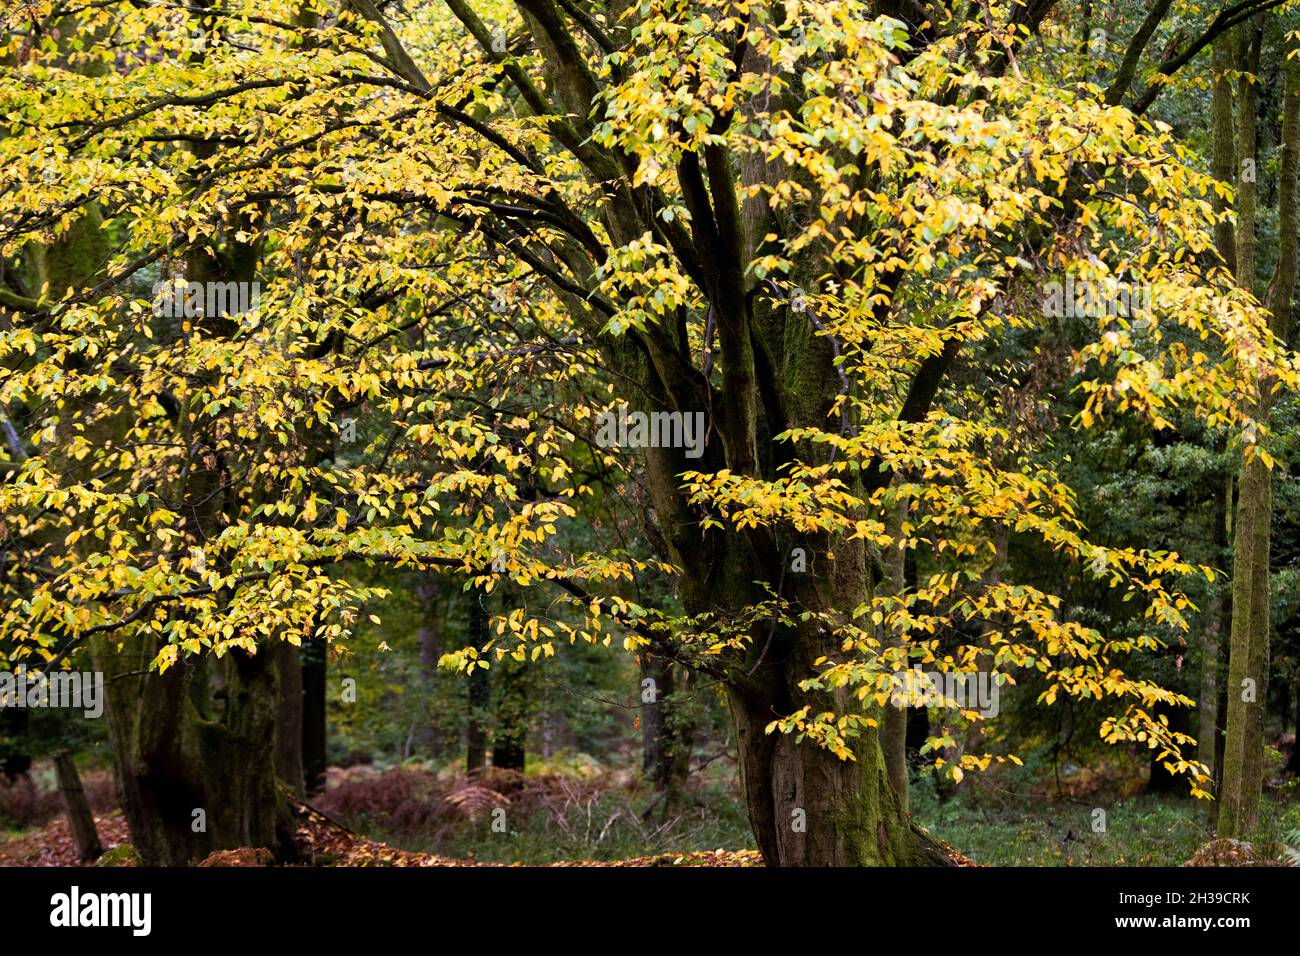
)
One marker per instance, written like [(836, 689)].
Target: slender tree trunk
[(656, 671), (1207, 703), (289, 726), (1221, 725), (81, 821), (1248, 661), (510, 727), (426, 591), (315, 672), (679, 740), (1223, 157), (668, 726), (1242, 767), (1293, 764)]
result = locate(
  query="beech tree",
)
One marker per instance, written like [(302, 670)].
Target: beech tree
[(478, 231), (1248, 662)]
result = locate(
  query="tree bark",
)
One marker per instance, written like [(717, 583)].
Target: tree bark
[(1211, 635), (1242, 767), (1248, 660), (667, 732), (807, 807), (1223, 157), (426, 591), (510, 727), (315, 672), (194, 756), (656, 670), (289, 726), (81, 821), (1293, 764)]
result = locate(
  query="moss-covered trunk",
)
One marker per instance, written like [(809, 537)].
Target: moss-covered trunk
[(807, 807), (1248, 656), (194, 752), (1239, 794)]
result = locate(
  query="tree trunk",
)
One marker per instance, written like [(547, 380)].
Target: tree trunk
[(679, 741), (315, 670), (80, 819), (289, 727), (194, 752), (668, 732), (1223, 155), (510, 727), (1293, 765), (426, 591), (1211, 635), (1248, 660), (807, 807), (1221, 720), (1248, 655), (656, 670)]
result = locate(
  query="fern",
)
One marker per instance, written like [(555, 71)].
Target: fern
[(1289, 848)]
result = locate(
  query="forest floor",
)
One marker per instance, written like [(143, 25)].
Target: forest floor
[(415, 818), (325, 843), (320, 842)]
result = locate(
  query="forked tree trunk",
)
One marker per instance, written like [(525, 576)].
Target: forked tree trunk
[(807, 807)]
